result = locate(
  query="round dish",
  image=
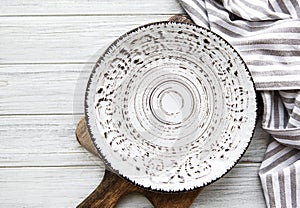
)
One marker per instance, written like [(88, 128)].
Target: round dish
[(170, 106)]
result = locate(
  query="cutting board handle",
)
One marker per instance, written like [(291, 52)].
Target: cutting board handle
[(113, 187), (108, 193)]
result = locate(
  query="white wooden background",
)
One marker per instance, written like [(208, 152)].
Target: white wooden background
[(47, 49)]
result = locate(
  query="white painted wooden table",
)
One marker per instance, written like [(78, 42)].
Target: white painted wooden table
[(47, 49)]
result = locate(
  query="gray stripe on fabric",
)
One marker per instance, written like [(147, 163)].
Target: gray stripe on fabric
[(202, 7), (286, 118), (296, 117), (296, 6), (295, 123), (260, 9), (284, 132), (272, 110), (259, 25), (297, 103), (288, 137), (287, 100), (293, 29), (282, 113), (282, 189), (283, 7), (278, 62), (280, 160), (226, 30), (273, 52), (289, 93), (252, 27), (204, 10), (293, 146), (277, 85), (270, 189), (271, 6), (274, 151), (276, 113), (290, 7), (254, 6), (293, 186), (286, 41)]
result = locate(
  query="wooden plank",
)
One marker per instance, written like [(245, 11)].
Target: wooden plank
[(43, 89), (67, 159), (50, 141), (90, 7), (63, 39), (239, 188), (68, 186)]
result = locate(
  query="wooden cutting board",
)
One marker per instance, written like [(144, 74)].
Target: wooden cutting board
[(113, 187)]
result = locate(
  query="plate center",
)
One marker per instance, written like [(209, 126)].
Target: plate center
[(171, 102)]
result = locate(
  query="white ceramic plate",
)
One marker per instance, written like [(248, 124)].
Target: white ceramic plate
[(170, 106)]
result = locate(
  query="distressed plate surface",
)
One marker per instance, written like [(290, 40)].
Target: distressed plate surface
[(170, 106)]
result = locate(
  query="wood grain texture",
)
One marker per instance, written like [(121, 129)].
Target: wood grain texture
[(43, 88), (88, 7), (63, 39), (67, 186)]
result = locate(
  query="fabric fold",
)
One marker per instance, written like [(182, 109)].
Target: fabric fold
[(271, 48)]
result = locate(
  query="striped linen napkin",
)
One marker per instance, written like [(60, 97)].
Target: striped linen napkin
[(267, 35)]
